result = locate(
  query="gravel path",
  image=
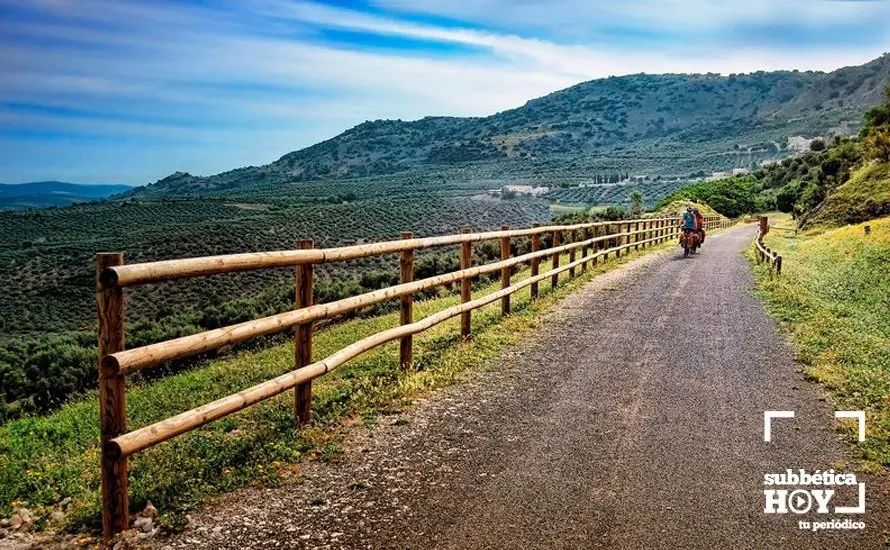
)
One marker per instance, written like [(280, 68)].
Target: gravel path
[(632, 420)]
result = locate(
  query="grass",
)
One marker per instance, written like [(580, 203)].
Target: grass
[(558, 209), (45, 459), (678, 207), (865, 196), (834, 300)]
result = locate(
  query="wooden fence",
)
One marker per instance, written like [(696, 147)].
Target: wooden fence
[(592, 240), (763, 253)]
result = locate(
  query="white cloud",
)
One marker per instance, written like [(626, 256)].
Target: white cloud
[(686, 15), (224, 83)]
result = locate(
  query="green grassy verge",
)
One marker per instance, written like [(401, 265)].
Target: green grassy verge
[(44, 460), (864, 196), (834, 300)]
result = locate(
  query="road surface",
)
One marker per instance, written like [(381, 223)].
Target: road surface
[(633, 420)]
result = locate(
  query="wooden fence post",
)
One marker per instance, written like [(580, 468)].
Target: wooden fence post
[(618, 242), (406, 311), (636, 236), (303, 279), (596, 245), (585, 236), (607, 243), (112, 400), (505, 273), (867, 229), (778, 265), (572, 234), (536, 246), (557, 241), (466, 285)]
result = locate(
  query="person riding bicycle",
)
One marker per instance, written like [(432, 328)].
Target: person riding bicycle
[(699, 225), (689, 224)]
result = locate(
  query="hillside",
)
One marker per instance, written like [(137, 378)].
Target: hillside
[(865, 196), (829, 301), (670, 124), (841, 183), (53, 193)]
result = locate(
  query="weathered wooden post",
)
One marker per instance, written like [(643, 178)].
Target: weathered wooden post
[(557, 241), (112, 400), (607, 243), (572, 255), (406, 310), (596, 245), (303, 278), (466, 285), (505, 272), (636, 236), (764, 225), (536, 262), (867, 230), (778, 265), (585, 250), (619, 241)]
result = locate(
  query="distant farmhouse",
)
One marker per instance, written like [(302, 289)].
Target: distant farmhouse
[(529, 190)]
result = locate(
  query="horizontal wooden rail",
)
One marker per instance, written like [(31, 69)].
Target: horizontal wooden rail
[(153, 434), (764, 254), (168, 270), (115, 362), (125, 362)]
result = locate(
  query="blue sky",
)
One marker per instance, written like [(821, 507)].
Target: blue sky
[(131, 90)]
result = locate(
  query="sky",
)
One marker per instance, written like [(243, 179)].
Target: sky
[(129, 91)]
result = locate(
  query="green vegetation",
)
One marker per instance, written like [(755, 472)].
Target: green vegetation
[(616, 194), (47, 307), (44, 460), (866, 195), (731, 197), (834, 300), (845, 183), (636, 204), (678, 207)]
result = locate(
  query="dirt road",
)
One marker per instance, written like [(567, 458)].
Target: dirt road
[(634, 420)]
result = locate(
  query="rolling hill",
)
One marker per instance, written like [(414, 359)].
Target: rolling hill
[(672, 124), (53, 193)]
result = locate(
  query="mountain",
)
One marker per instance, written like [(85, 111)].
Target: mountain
[(53, 193), (656, 125)]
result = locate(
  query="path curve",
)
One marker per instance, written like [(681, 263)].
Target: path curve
[(634, 420)]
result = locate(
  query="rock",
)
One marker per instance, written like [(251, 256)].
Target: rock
[(149, 534), (57, 516), (143, 524), (4, 522), (65, 502), (16, 522)]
